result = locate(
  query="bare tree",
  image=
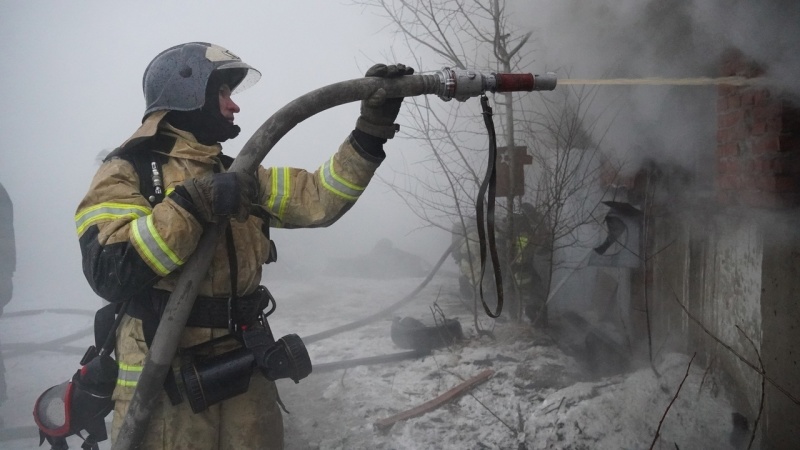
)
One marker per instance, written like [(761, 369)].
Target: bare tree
[(477, 34), (564, 182)]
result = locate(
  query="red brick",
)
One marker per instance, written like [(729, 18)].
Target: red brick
[(723, 137), (775, 183), (762, 97), (728, 182), (779, 183), (728, 166), (764, 113), (727, 91), (730, 118), (776, 165), (786, 183), (748, 98), (758, 128), (765, 145), (779, 165), (764, 182), (731, 135), (759, 165), (774, 125), (727, 150), (734, 101)]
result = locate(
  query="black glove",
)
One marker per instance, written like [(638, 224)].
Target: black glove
[(377, 112), (222, 194)]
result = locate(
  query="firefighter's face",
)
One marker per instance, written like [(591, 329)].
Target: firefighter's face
[(226, 104)]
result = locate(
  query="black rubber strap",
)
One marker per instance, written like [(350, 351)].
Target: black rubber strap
[(488, 191)]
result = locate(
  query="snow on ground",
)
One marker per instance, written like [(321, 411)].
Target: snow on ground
[(538, 397)]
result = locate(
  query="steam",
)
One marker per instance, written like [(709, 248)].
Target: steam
[(662, 38), (767, 32)]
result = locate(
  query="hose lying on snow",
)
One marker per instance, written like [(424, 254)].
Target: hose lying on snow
[(385, 311)]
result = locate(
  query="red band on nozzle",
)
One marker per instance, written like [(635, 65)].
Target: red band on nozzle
[(514, 82)]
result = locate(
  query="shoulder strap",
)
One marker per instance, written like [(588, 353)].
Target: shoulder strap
[(147, 159)]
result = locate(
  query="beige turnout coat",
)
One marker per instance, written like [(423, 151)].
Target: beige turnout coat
[(129, 246)]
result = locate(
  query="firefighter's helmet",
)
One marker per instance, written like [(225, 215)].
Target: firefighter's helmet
[(176, 79)]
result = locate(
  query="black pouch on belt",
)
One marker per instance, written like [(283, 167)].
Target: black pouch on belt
[(207, 312)]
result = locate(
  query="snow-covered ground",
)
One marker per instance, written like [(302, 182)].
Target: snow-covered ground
[(537, 396)]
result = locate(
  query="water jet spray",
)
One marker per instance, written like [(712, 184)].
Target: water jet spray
[(655, 81)]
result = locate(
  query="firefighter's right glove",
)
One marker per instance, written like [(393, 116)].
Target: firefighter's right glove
[(378, 113), (229, 194)]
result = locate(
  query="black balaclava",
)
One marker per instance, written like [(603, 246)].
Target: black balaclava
[(207, 123)]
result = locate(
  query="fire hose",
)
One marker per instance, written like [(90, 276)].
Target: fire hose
[(447, 84)]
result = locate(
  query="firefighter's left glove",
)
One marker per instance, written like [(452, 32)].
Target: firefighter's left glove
[(378, 113), (229, 194)]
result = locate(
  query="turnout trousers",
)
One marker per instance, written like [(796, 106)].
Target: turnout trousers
[(251, 420)]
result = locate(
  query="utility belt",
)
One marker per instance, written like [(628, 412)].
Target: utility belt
[(209, 380), (207, 312), (81, 403)]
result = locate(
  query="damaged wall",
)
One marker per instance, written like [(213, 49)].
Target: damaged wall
[(733, 259), (780, 312)]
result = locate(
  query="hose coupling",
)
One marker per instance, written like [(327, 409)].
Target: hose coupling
[(461, 84)]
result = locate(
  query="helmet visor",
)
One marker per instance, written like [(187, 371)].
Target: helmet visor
[(251, 76), (51, 411)]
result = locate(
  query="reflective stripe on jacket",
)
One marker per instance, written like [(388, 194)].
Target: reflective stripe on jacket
[(127, 244)]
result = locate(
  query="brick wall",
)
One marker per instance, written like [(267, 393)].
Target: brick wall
[(758, 142)]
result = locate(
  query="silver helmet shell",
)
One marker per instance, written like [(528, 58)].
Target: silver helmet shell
[(176, 79)]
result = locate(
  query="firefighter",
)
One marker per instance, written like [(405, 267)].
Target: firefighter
[(530, 262), (133, 248), (8, 263)]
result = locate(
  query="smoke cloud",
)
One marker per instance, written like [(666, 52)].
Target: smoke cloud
[(662, 38)]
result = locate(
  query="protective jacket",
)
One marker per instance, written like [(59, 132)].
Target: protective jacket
[(131, 248)]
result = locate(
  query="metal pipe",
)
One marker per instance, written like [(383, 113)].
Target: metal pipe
[(158, 361)]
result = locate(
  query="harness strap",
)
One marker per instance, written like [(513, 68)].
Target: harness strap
[(147, 160), (105, 326)]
